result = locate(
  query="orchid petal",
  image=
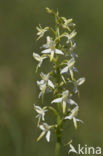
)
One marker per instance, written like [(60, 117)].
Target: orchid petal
[(36, 57), (71, 102), (57, 51), (64, 70), (47, 51), (58, 100), (48, 136), (50, 83), (80, 81)]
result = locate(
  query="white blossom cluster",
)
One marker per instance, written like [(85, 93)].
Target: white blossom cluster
[(59, 49)]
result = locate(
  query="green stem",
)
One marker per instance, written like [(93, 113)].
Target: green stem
[(58, 130), (57, 148), (58, 136)]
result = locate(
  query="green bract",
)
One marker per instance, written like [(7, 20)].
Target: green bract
[(60, 81)]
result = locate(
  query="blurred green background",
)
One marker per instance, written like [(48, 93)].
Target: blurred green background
[(18, 91)]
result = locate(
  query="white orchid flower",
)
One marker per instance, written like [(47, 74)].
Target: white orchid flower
[(42, 86), (41, 112), (46, 80), (73, 115), (73, 46), (41, 31), (51, 49), (45, 131), (39, 58), (44, 83), (64, 100), (69, 67), (78, 83), (70, 36), (67, 23)]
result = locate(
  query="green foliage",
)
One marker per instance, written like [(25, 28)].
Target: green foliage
[(60, 81)]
